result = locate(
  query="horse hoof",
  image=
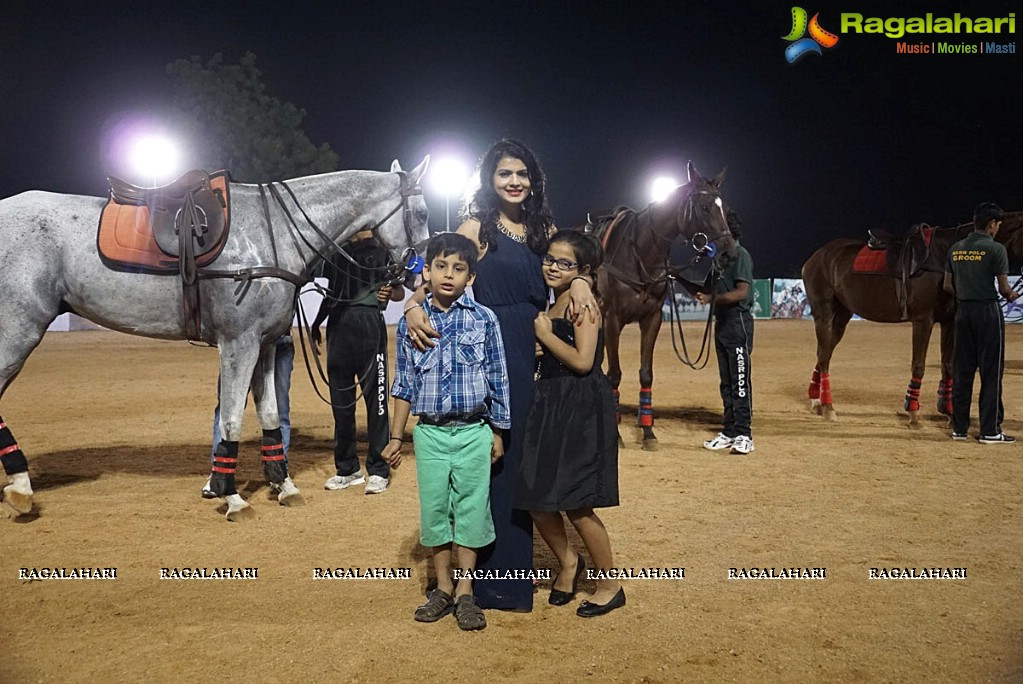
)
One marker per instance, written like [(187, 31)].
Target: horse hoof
[(238, 508), (650, 444), (914, 420), (288, 494), (815, 407), (829, 414), (621, 442), (19, 502)]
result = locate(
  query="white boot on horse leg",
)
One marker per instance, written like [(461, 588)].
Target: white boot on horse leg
[(237, 508), (287, 493), (18, 494)]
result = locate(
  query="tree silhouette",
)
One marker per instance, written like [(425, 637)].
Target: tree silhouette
[(234, 124)]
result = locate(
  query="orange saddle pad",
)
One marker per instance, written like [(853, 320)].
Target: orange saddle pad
[(126, 242)]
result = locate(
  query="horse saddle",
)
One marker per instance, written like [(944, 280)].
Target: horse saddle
[(190, 203), (140, 229), (903, 255), (172, 229), (900, 257)]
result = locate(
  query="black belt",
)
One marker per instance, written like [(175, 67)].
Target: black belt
[(451, 421)]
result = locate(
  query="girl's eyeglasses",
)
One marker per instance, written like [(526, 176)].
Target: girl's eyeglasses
[(563, 264)]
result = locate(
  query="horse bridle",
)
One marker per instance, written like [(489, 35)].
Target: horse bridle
[(686, 213)]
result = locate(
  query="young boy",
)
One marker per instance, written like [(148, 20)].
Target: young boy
[(459, 390)]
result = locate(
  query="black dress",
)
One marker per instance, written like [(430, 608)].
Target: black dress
[(570, 450), (509, 281)]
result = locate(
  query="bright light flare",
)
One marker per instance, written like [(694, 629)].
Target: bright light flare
[(661, 187), (154, 158), (449, 176)]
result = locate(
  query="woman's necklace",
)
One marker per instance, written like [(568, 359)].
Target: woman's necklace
[(514, 236)]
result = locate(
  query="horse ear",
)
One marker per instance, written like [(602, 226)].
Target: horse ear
[(395, 166), (719, 179), (417, 173), (691, 171)]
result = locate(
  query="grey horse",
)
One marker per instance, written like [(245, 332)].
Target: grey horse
[(51, 264)]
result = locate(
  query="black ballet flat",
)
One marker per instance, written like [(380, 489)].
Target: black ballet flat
[(560, 598), (587, 609)]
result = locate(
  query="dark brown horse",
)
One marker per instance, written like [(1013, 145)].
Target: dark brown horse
[(633, 280), (836, 292)]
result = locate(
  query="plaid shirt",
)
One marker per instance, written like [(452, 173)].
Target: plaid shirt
[(465, 375)]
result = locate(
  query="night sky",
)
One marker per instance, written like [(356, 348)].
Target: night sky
[(609, 94)]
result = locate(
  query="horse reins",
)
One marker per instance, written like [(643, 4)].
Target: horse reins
[(245, 276)]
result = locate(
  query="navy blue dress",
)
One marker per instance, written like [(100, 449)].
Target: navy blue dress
[(509, 281)]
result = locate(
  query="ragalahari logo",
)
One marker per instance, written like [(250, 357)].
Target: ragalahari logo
[(801, 46)]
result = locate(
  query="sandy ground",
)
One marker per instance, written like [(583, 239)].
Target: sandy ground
[(116, 429)]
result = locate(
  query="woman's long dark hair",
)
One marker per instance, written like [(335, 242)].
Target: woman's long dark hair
[(485, 206)]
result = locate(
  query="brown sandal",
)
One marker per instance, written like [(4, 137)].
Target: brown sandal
[(438, 604), (468, 613)]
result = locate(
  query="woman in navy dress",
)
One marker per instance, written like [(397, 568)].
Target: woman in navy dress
[(511, 223)]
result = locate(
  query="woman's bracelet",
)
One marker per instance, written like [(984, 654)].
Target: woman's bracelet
[(397, 438), (582, 278), (408, 307)]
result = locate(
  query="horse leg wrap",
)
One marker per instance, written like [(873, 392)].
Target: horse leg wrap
[(646, 408), (225, 460), (912, 403), (11, 456), (618, 411), (275, 464), (815, 384), (945, 396), (826, 389)]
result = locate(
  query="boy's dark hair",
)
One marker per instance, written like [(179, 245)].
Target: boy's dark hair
[(588, 252), (445, 244), (985, 213)]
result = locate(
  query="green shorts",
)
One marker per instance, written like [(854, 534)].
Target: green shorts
[(453, 472)]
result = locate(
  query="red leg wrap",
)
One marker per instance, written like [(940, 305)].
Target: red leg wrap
[(826, 389), (945, 396), (912, 402), (646, 408), (815, 385)]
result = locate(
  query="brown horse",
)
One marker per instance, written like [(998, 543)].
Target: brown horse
[(836, 292), (633, 280)]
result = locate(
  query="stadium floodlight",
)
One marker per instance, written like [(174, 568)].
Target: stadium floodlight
[(449, 177), (154, 157), (661, 187)]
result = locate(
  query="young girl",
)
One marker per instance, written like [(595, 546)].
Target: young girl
[(570, 450)]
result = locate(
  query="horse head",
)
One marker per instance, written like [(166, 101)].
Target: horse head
[(697, 212), (403, 228)]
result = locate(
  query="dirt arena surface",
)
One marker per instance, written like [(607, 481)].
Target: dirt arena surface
[(117, 432)]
